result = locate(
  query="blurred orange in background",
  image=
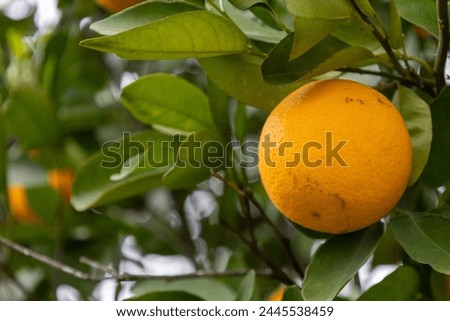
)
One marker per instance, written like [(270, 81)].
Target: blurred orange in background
[(117, 5)]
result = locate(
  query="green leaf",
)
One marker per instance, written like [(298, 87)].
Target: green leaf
[(417, 116), (437, 170), (425, 237), (31, 117), (140, 15), (395, 27), (292, 293), (252, 28), (329, 54), (16, 45), (240, 123), (122, 169), (324, 9), (219, 106), (168, 100), (388, 250), (353, 32), (366, 7), (51, 64), (79, 74), (199, 152), (84, 117), (3, 164), (314, 21), (309, 32), (337, 261), (204, 288), (262, 9), (185, 35), (421, 13), (240, 77), (246, 287), (166, 296), (247, 4), (401, 285), (44, 202)]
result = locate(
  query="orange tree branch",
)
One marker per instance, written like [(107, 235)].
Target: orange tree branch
[(443, 45)]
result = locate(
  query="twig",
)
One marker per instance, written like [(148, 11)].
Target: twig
[(443, 45), (425, 65), (228, 183), (198, 274), (46, 260), (284, 240), (245, 204), (119, 277), (100, 266), (278, 273), (377, 73), (246, 197), (384, 42)]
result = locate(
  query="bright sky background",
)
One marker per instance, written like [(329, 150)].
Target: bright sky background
[(47, 14)]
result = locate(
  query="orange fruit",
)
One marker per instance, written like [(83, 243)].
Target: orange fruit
[(20, 208), (335, 156), (422, 33), (61, 180), (117, 5), (34, 154), (277, 294)]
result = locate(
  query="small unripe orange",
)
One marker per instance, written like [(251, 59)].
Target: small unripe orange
[(422, 33), (34, 154), (277, 295), (19, 205), (61, 180)]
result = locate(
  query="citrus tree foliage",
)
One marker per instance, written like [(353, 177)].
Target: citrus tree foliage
[(125, 100)]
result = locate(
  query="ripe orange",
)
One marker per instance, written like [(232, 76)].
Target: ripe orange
[(277, 294), (20, 208), (117, 5), (61, 180), (335, 156)]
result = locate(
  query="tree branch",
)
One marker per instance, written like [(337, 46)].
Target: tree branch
[(284, 240), (276, 271), (377, 73), (114, 275), (443, 45), (99, 266), (228, 183), (46, 260), (246, 197), (384, 42)]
